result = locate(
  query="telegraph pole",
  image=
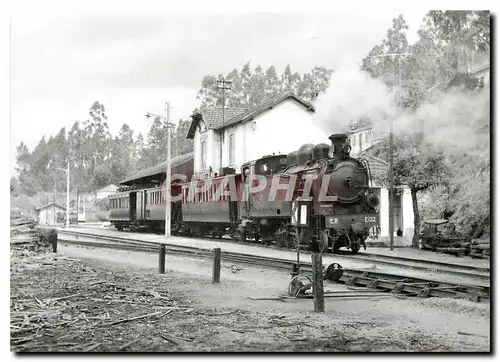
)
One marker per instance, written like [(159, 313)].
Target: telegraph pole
[(391, 164), (67, 197), (391, 145), (168, 171), (168, 178), (223, 87)]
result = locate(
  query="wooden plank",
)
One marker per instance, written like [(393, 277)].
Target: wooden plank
[(216, 266), (317, 276), (161, 261)]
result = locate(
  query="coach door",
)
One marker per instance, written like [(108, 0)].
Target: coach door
[(141, 205), (133, 206), (247, 172)]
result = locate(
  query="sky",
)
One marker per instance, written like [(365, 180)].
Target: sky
[(133, 62)]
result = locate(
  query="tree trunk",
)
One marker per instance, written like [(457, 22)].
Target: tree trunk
[(416, 219)]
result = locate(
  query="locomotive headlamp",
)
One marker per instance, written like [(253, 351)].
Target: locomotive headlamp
[(346, 148)]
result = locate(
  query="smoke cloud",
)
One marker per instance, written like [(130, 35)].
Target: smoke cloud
[(353, 94), (452, 122)]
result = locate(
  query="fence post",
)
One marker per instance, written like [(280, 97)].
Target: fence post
[(216, 266), (317, 275), (53, 240), (161, 262)]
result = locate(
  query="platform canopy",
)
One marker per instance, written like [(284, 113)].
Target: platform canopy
[(157, 171)]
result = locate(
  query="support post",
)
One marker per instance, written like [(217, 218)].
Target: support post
[(67, 197), (53, 240), (161, 261), (168, 178), (317, 276), (216, 266)]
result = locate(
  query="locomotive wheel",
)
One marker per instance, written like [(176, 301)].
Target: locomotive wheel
[(177, 227), (240, 236), (355, 248), (335, 247), (299, 285), (281, 237)]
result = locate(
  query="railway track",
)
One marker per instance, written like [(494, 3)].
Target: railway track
[(403, 263), (385, 281)]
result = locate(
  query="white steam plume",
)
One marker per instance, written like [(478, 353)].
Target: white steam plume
[(453, 122), (353, 94)]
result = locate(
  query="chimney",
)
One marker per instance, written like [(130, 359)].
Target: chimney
[(340, 145)]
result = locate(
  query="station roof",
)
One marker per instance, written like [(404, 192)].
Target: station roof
[(158, 169), (49, 205), (213, 117)]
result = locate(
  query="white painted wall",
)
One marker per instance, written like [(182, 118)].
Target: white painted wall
[(197, 152), (199, 137), (367, 141), (384, 212), (282, 129), (407, 207), (407, 210)]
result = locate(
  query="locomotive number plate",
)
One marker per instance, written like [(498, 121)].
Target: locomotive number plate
[(346, 220), (333, 220)]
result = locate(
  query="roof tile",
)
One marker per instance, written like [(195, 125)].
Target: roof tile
[(214, 116)]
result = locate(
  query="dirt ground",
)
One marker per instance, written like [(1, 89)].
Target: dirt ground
[(85, 299)]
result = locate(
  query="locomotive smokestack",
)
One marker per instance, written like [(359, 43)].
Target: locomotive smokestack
[(340, 145)]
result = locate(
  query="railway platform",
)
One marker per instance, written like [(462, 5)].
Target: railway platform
[(418, 254)]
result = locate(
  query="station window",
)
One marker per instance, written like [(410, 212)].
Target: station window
[(232, 149), (204, 155)]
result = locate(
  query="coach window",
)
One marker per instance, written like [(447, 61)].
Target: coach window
[(204, 155), (232, 149), (354, 140)]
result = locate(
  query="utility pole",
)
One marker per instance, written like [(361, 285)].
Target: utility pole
[(223, 87), (168, 178), (391, 162), (67, 196), (391, 145)]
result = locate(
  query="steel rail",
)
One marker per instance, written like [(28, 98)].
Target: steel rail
[(385, 281), (451, 269), (392, 260)]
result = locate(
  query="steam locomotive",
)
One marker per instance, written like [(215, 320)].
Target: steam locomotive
[(323, 184)]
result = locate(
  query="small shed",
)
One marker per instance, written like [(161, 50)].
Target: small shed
[(106, 191), (48, 214)]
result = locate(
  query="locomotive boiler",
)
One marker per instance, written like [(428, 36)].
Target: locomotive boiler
[(342, 210)]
